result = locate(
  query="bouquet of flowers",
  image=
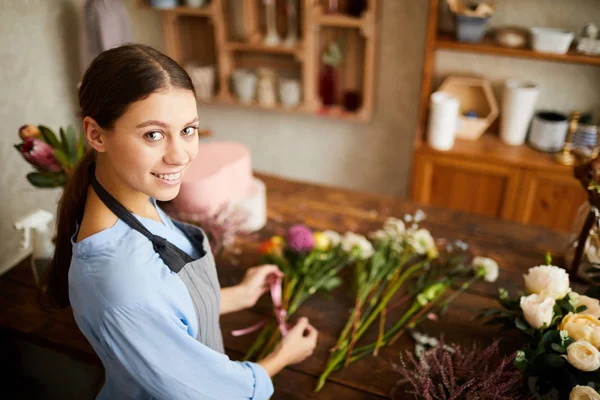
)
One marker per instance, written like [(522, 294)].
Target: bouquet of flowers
[(562, 331), (52, 158), (403, 261), (311, 262)]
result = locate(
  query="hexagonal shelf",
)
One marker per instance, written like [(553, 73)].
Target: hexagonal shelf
[(475, 96)]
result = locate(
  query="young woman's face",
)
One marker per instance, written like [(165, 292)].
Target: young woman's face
[(154, 141)]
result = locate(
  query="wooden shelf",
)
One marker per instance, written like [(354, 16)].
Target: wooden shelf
[(340, 20), (261, 48), (335, 112), (490, 147), (487, 46), (206, 11)]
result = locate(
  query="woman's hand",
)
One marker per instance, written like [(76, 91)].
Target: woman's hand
[(256, 282), (295, 347)]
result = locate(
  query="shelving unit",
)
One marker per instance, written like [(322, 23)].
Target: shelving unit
[(486, 176), (204, 35)]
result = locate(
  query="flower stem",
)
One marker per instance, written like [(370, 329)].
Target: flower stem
[(381, 333)]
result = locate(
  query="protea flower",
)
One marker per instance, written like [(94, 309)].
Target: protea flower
[(40, 154), (29, 131)]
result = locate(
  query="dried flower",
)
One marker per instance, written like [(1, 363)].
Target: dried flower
[(29, 131), (454, 373), (300, 238), (40, 155)]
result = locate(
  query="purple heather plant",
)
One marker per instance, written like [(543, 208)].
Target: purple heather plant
[(453, 372)]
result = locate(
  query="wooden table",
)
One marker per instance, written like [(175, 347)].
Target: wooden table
[(516, 247)]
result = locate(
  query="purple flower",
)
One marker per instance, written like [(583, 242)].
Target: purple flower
[(300, 238), (40, 154)]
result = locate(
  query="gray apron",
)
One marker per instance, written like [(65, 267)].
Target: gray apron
[(199, 276)]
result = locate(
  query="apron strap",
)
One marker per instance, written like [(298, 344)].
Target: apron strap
[(172, 256)]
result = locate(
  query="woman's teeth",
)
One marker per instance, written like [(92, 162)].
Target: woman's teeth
[(169, 177)]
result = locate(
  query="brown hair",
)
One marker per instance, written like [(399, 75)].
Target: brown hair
[(115, 79)]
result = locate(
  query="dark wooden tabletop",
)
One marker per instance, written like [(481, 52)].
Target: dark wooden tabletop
[(516, 248)]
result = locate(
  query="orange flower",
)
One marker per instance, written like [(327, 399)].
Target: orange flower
[(272, 245)]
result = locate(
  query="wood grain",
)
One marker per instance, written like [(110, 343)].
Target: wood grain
[(516, 247)]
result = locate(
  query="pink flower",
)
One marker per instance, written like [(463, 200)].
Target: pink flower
[(40, 154), (300, 238)]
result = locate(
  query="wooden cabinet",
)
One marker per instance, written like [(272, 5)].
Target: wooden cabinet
[(483, 189), (549, 199), (512, 184)]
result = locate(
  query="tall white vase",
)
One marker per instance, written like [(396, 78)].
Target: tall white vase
[(272, 38), (518, 105)]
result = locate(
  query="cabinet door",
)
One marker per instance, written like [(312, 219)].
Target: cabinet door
[(472, 186), (549, 199)]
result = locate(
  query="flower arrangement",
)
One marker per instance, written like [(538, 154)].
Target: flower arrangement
[(561, 357), (52, 158), (311, 262), (403, 260), (454, 372)]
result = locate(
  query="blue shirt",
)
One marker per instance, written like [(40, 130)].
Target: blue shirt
[(139, 318)]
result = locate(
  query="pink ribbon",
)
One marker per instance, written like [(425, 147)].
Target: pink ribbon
[(280, 313)]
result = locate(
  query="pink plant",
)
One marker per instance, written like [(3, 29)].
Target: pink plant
[(40, 155), (300, 238), (460, 373)]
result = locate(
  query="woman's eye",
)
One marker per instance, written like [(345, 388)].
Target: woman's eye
[(190, 130), (154, 136)]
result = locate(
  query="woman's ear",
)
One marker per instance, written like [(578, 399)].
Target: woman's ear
[(94, 134)]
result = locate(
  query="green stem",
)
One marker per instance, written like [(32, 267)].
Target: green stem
[(330, 368), (260, 340), (384, 301)]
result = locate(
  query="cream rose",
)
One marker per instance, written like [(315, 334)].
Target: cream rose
[(538, 310), (593, 305), (488, 266), (584, 393), (548, 280), (583, 356), (582, 327)]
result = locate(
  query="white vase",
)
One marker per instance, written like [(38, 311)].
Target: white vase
[(518, 105), (195, 3), (443, 121), (266, 88), (245, 85), (272, 38), (291, 39), (289, 92), (203, 78)]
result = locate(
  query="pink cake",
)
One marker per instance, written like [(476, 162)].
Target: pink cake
[(220, 174)]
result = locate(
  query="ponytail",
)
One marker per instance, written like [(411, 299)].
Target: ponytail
[(55, 282)]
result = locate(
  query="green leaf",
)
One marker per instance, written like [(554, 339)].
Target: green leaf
[(495, 321), (332, 283), (548, 258), (581, 309), (62, 158), (18, 147), (553, 360), (40, 180), (72, 138), (80, 146), (558, 348), (49, 137), (521, 324)]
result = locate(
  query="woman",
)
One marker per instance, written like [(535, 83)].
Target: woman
[(144, 288)]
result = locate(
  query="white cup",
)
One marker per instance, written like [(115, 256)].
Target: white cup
[(289, 92), (548, 131)]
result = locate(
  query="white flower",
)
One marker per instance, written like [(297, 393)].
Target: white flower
[(583, 356), (537, 310), (419, 216), (583, 393), (548, 280), (489, 267), (379, 235), (394, 227), (334, 238), (422, 243), (352, 241), (593, 305), (408, 218)]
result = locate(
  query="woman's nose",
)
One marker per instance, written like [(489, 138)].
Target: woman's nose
[(176, 152)]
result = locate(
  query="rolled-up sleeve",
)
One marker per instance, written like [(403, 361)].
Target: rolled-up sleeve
[(153, 347)]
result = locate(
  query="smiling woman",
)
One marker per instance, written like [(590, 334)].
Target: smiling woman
[(143, 287)]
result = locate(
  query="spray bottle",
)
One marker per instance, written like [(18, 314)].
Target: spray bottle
[(40, 241)]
